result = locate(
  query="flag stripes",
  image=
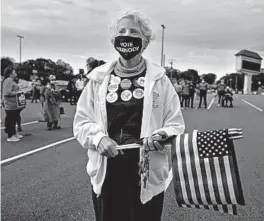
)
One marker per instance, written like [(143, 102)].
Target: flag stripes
[(205, 182)]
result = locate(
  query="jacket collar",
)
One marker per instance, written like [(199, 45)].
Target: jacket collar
[(155, 71)]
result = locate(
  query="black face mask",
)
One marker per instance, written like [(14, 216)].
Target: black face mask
[(127, 46)]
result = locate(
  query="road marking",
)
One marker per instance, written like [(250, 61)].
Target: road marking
[(35, 151), (212, 101), (32, 122), (252, 105)]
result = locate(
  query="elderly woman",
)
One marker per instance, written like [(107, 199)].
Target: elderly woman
[(125, 100)]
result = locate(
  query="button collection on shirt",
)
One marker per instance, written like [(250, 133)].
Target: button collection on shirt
[(125, 84)]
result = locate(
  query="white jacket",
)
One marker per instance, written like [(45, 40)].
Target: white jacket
[(161, 111)]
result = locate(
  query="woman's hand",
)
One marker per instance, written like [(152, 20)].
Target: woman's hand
[(151, 144), (107, 147)]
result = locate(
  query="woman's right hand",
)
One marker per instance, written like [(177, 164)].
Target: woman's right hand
[(107, 147)]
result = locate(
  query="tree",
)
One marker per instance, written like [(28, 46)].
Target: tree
[(5, 62), (63, 68), (209, 78)]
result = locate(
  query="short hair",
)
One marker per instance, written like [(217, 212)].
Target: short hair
[(138, 18), (8, 71)]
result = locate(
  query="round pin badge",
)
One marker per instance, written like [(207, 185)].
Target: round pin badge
[(115, 79), (125, 84), (112, 87), (111, 97), (141, 81), (135, 82), (138, 93), (126, 95)]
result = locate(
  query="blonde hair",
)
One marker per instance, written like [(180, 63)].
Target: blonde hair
[(138, 18)]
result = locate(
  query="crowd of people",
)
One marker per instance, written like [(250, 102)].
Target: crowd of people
[(187, 91)]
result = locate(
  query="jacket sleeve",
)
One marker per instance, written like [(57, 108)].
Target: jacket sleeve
[(85, 129), (173, 122)]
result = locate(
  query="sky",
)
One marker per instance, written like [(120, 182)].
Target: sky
[(199, 34)]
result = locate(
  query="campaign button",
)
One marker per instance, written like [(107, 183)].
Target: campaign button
[(125, 84), (141, 81), (115, 79), (111, 97), (112, 87), (126, 95), (138, 93), (135, 82)]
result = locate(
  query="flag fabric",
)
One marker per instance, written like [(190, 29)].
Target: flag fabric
[(205, 171)]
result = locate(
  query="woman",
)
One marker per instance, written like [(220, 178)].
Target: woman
[(185, 95), (12, 103), (52, 107), (125, 100)]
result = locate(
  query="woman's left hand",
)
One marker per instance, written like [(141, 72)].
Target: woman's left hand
[(151, 144)]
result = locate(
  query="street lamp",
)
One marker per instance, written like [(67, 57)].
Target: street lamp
[(20, 44), (162, 45)]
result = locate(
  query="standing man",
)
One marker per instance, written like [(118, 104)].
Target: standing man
[(192, 92), (178, 89), (221, 92), (71, 87), (203, 87), (80, 83)]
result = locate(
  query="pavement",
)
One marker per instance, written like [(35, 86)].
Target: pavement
[(53, 184)]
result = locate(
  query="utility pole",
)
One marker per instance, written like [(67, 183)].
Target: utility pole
[(162, 45), (20, 47)]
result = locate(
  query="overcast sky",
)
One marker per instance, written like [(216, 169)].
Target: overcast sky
[(200, 34)]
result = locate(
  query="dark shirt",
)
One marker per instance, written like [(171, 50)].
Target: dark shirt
[(124, 114)]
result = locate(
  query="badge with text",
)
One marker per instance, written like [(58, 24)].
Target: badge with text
[(115, 79), (112, 87), (126, 95), (111, 97), (125, 84), (141, 81), (138, 93)]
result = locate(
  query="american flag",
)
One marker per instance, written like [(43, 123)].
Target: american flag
[(205, 172)]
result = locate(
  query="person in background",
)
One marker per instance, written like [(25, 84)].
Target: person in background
[(178, 89), (71, 87), (221, 87), (125, 100), (192, 93), (80, 83), (203, 87), (10, 92), (185, 95), (36, 87), (228, 97), (52, 107)]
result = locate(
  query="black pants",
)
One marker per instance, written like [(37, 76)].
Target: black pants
[(120, 196), (190, 101), (203, 97), (35, 95), (221, 97), (10, 121), (185, 100)]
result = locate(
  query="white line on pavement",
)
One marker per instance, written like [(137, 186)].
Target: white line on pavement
[(252, 105), (35, 151), (212, 101), (32, 122)]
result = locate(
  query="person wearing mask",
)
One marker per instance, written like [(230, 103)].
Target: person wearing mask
[(185, 95), (221, 87), (178, 89), (124, 100), (13, 101), (52, 107), (192, 93), (203, 87)]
